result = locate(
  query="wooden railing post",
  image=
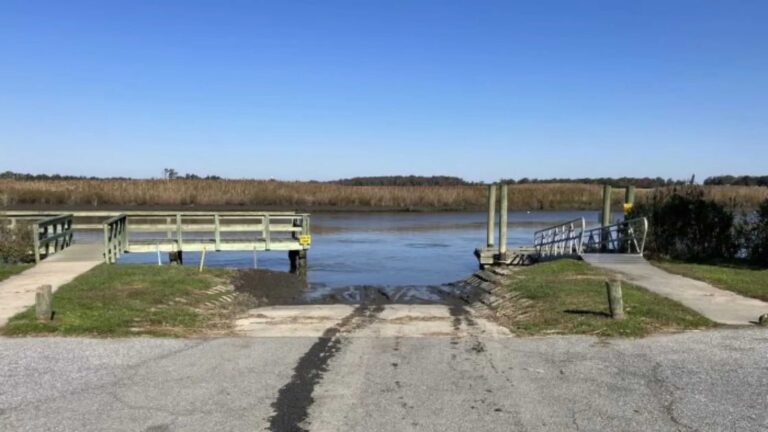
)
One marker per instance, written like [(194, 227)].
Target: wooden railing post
[(125, 233), (217, 231), (106, 244), (178, 231), (36, 241), (267, 234)]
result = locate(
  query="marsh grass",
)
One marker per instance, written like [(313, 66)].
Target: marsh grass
[(313, 195)]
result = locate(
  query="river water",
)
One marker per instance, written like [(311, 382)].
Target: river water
[(388, 249)]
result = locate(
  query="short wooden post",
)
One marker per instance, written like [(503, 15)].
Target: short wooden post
[(43, 298), (615, 301), (503, 223), (491, 215)]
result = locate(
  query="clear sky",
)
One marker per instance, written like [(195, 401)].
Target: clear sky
[(330, 89)]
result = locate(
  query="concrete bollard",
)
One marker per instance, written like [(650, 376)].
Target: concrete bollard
[(43, 300), (615, 300)]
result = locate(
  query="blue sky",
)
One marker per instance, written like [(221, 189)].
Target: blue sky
[(330, 89)]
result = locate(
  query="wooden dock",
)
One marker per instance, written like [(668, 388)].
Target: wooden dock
[(172, 232)]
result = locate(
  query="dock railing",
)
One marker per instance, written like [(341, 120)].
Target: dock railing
[(623, 237), (560, 240), (51, 235), (115, 238), (172, 232)]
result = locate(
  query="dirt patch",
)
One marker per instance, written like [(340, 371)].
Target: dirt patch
[(267, 287)]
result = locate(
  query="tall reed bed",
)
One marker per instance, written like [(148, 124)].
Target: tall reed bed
[(314, 195)]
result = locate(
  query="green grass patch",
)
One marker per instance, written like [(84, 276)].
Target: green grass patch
[(742, 279), (121, 300), (569, 297), (8, 270)]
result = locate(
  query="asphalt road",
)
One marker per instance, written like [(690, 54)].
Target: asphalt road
[(707, 381)]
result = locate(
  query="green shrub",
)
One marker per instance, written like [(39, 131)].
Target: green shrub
[(685, 226), (15, 243), (754, 235)]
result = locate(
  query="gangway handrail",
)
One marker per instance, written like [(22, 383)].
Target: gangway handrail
[(564, 239), (627, 236)]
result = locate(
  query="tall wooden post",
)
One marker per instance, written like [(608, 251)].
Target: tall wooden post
[(606, 218), (503, 224), (629, 203), (491, 214), (629, 198)]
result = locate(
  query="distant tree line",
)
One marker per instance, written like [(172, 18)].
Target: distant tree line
[(413, 180), (168, 174), (737, 180), (640, 182), (410, 180)]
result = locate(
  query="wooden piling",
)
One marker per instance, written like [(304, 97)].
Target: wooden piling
[(629, 195), (606, 219), (491, 214), (43, 300), (503, 223), (615, 300)]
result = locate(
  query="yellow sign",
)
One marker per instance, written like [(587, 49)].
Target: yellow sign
[(628, 207), (305, 240)]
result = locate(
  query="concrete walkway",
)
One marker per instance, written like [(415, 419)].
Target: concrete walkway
[(718, 305), (18, 292)]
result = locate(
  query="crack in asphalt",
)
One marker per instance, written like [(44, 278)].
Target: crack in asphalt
[(291, 408)]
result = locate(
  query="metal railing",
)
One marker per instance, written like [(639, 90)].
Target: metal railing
[(560, 240), (623, 237), (115, 238), (51, 233)]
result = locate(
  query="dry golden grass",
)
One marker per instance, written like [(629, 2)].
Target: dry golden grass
[(313, 195)]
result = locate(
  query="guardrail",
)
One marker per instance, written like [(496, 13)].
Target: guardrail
[(623, 237), (115, 238), (54, 231), (560, 240)]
